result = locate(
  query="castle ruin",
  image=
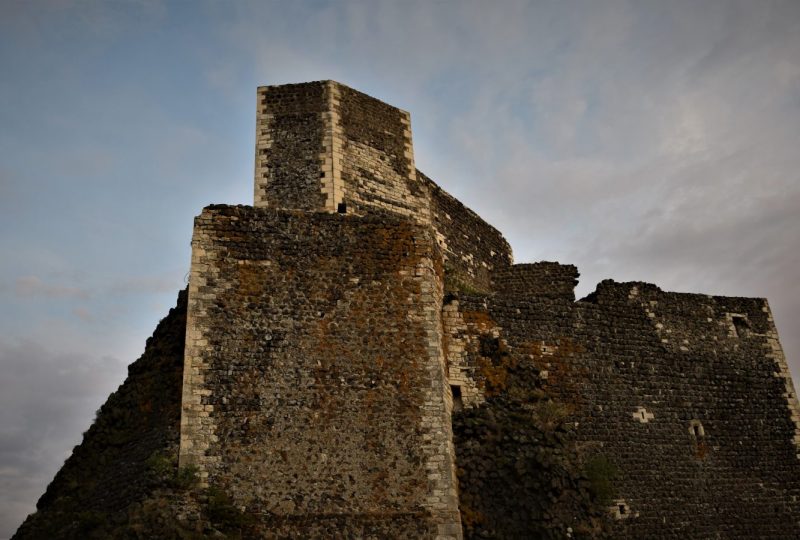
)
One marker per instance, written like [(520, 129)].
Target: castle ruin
[(362, 360)]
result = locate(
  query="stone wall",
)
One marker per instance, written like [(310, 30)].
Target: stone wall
[(315, 383), (291, 125), (359, 340), (684, 395), (549, 279), (472, 248), (377, 161), (658, 385), (324, 146)]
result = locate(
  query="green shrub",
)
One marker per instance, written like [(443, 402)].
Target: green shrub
[(550, 413), (186, 477), (601, 474), (161, 466), (222, 512)]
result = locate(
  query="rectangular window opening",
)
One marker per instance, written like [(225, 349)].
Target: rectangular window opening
[(740, 326), (458, 402)]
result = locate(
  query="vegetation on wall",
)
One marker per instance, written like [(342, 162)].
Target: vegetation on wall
[(519, 471)]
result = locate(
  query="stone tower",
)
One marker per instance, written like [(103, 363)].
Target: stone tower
[(314, 382), (324, 146)]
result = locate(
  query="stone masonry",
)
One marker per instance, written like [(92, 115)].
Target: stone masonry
[(687, 395), (293, 408)]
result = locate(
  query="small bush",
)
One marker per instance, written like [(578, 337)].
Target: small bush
[(601, 474), (186, 477), (162, 467), (88, 521), (222, 512), (550, 414)]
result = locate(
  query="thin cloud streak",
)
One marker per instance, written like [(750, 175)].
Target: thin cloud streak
[(33, 286)]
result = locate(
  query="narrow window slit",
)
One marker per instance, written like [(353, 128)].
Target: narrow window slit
[(740, 326), (458, 402)]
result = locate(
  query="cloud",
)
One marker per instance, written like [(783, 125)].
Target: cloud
[(653, 143), (33, 286), (83, 314), (145, 285)]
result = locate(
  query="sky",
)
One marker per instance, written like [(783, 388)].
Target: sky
[(640, 140)]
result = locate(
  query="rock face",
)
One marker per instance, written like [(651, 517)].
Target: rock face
[(359, 357)]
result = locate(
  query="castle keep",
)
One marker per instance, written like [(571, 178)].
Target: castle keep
[(363, 359)]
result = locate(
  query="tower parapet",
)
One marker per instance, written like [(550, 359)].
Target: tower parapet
[(326, 147)]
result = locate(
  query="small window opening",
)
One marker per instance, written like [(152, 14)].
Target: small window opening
[(740, 326), (642, 414), (342, 208), (458, 402), (696, 429), (622, 509)]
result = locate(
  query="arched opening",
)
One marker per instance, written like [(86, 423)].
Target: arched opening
[(696, 429)]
